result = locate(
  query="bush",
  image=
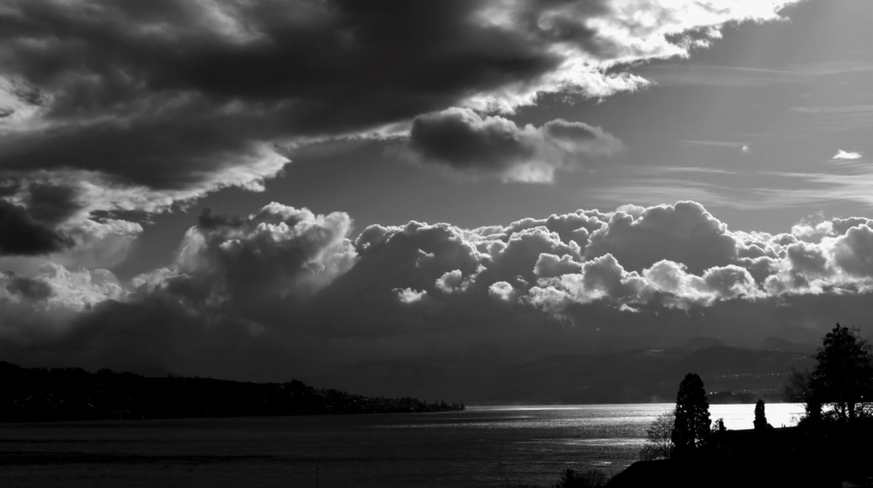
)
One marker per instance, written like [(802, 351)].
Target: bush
[(590, 479)]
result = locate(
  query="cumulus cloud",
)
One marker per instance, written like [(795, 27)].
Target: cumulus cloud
[(27, 288), (847, 155), (284, 289), (234, 280), (684, 232), (513, 257), (79, 290), (501, 290), (853, 251), (493, 146), (408, 295), (451, 282), (277, 252), (602, 277), (666, 284), (549, 265)]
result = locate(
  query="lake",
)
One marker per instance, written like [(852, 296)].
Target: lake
[(481, 447)]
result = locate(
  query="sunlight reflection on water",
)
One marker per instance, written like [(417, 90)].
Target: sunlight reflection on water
[(593, 418), (480, 447)]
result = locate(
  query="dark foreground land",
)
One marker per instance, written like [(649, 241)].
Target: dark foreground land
[(823, 457), (36, 395)]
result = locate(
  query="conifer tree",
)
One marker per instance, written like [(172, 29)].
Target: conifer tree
[(691, 426)]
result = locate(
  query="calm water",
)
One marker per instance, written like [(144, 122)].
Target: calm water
[(483, 446)]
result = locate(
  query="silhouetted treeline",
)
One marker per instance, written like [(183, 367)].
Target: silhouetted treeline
[(35, 394), (830, 446)]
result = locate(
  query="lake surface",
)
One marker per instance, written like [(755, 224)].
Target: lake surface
[(481, 447)]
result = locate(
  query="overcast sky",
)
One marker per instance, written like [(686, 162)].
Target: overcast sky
[(289, 187)]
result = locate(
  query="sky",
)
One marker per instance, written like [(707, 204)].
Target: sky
[(352, 193)]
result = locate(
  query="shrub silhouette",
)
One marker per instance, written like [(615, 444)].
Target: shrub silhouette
[(590, 479)]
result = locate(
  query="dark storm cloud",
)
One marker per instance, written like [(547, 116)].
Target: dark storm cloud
[(400, 58), (173, 151), (304, 68), (52, 204), (180, 98), (168, 100), (23, 235), (495, 146), (28, 288)]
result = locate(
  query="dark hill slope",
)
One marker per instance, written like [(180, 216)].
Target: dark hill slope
[(34, 394)]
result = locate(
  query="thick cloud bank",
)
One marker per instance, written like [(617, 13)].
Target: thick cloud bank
[(284, 292)]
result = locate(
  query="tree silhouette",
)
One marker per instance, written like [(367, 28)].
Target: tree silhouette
[(799, 390), (843, 377), (760, 416), (659, 442), (691, 425)]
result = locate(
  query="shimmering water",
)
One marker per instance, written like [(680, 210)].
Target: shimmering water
[(483, 446)]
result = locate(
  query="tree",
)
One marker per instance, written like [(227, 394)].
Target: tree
[(799, 390), (760, 416), (843, 377), (659, 442), (691, 424)]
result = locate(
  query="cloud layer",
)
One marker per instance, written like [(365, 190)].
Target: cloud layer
[(284, 289)]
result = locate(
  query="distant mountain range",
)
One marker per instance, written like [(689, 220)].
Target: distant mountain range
[(730, 374), (651, 375)]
